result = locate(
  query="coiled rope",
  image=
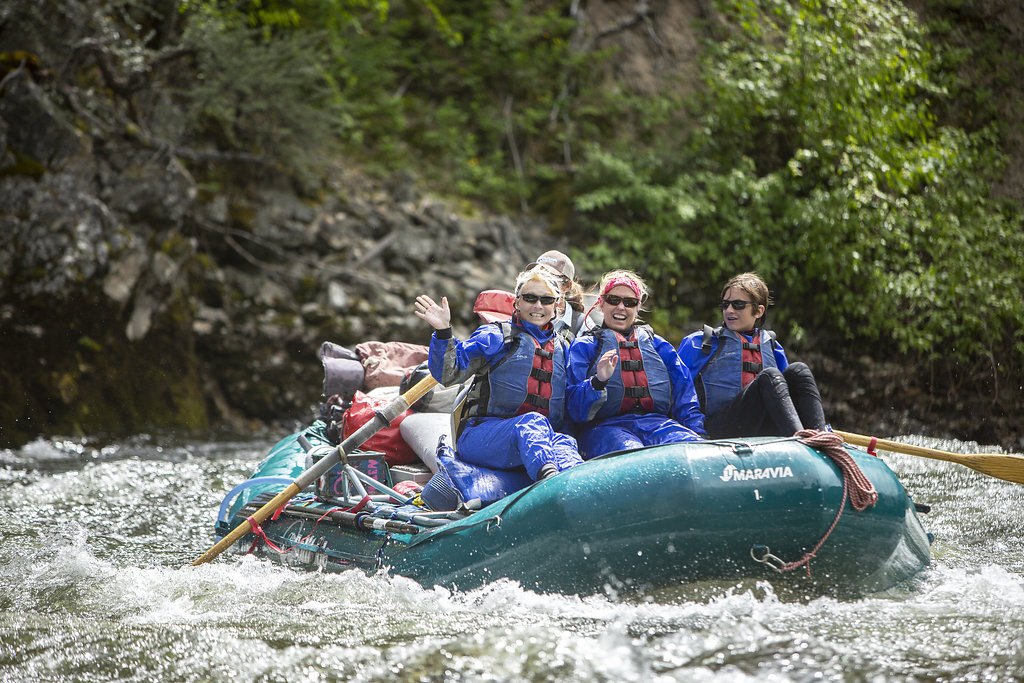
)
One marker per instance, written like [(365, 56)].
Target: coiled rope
[(861, 491)]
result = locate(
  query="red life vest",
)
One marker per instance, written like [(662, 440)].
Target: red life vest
[(752, 364), (538, 384), (636, 395)]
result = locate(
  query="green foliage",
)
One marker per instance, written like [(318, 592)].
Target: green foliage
[(477, 97), (256, 95), (818, 163), (480, 115), (811, 154), (271, 16)]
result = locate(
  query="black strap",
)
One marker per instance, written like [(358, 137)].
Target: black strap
[(632, 365), (705, 344), (537, 401), (637, 392), (541, 375), (575, 322), (749, 366), (508, 337)]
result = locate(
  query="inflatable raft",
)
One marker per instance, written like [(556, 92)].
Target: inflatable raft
[(632, 521)]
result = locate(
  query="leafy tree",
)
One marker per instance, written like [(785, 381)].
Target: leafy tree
[(262, 89), (815, 158), (817, 162), (477, 104)]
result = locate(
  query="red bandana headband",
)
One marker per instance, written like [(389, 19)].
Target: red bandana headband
[(620, 280)]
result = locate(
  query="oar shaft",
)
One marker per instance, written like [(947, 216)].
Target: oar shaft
[(1006, 466), (245, 527), (897, 447)]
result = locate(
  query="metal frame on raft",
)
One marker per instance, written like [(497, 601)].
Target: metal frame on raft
[(355, 495), (382, 418)]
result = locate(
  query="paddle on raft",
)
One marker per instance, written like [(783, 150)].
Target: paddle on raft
[(1001, 466), (382, 419)]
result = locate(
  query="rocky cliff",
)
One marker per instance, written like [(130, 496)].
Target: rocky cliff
[(133, 300)]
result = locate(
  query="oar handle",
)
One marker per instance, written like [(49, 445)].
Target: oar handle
[(417, 391), (382, 418)]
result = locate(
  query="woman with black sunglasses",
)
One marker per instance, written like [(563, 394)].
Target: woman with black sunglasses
[(569, 317), (745, 384), (627, 387), (516, 402)]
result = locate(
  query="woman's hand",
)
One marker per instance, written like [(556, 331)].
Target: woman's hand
[(606, 365), (439, 317)]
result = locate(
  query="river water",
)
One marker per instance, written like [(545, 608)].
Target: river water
[(96, 539)]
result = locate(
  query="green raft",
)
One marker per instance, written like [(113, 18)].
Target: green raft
[(633, 521)]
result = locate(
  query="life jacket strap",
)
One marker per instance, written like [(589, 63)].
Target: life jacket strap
[(541, 375), (636, 395), (705, 342), (538, 387), (751, 359), (536, 401)]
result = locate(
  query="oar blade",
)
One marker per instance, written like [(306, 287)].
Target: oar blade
[(1000, 466)]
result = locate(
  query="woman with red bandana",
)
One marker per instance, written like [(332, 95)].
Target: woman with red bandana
[(627, 387), (745, 384), (516, 403)]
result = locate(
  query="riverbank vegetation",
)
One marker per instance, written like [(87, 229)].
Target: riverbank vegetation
[(810, 149), (860, 155)]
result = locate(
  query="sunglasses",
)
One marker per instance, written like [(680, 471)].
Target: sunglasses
[(737, 304), (628, 302), (533, 298)]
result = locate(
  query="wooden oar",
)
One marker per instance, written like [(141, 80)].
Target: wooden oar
[(381, 420), (1000, 466)]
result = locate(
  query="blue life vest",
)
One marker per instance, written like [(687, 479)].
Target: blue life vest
[(651, 396), (502, 388), (721, 378)]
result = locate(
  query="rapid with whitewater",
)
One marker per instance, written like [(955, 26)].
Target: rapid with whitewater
[(97, 539)]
